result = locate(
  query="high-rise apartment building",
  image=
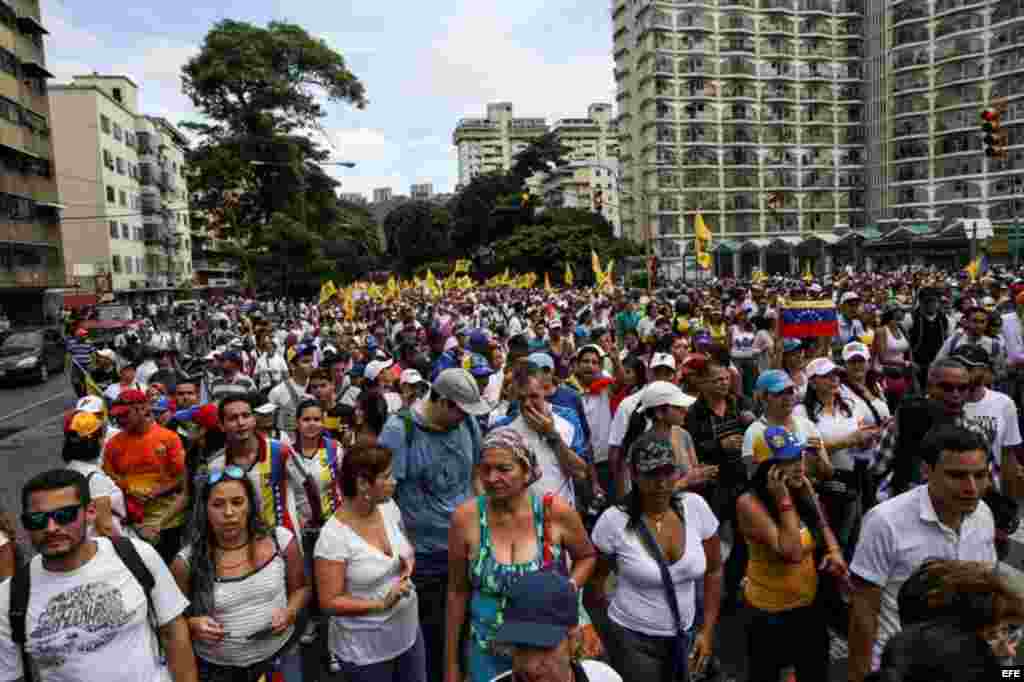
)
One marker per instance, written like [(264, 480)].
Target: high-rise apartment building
[(490, 144), (421, 191), (381, 194), (30, 247), (353, 197), (588, 185), (123, 176), (749, 112)]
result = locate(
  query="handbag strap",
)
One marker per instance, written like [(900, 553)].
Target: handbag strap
[(680, 651)]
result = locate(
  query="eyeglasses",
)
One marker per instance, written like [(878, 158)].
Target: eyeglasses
[(232, 473), (953, 388), (41, 519)]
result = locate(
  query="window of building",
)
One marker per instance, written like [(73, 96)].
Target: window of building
[(104, 124), (113, 230), (116, 92), (115, 263), (123, 198), (128, 265), (119, 163), (111, 196), (138, 234), (126, 232), (129, 138), (117, 132), (108, 159)]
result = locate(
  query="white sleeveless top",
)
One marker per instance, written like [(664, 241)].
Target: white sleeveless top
[(895, 347)]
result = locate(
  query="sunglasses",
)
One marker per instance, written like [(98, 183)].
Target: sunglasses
[(231, 473), (41, 519)]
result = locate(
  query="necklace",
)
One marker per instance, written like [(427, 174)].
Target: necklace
[(658, 520)]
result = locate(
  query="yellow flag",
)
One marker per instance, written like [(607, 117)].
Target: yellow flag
[(704, 260), (505, 278), (568, 274), (608, 272), (374, 292), (349, 304), (547, 283), (393, 287), (595, 265), (327, 291), (972, 269), (702, 231), (462, 265), (808, 275)]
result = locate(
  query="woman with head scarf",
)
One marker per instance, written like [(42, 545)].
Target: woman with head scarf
[(497, 538)]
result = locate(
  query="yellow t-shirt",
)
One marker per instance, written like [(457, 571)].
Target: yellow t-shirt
[(776, 585)]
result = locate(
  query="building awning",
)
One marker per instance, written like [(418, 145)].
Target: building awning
[(756, 244), (31, 25), (826, 237), (788, 240), (36, 68), (50, 204), (727, 246), (870, 233), (75, 301)]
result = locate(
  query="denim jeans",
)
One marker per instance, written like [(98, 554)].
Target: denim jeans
[(646, 657), (432, 594), (410, 666), (289, 664)]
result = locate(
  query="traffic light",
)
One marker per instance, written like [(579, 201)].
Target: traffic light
[(994, 135), (525, 199), (598, 200)]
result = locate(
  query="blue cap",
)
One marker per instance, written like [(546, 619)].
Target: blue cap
[(790, 345), (541, 360), (581, 332), (161, 406), (357, 370), (371, 342), (479, 339), (304, 349), (478, 366), (231, 356), (773, 381), (782, 444), (540, 610)]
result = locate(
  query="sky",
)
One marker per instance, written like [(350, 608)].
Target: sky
[(425, 65)]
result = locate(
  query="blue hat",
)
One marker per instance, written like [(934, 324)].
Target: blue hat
[(790, 345), (478, 366), (782, 444), (541, 360), (371, 342), (231, 356), (479, 339), (161, 406), (304, 349), (581, 332), (773, 381), (540, 611), (357, 369)]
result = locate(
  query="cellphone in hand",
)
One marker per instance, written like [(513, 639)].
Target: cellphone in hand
[(262, 634)]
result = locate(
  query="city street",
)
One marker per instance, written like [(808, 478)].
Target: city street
[(30, 441)]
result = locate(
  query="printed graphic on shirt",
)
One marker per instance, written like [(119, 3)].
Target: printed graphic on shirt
[(985, 425), (82, 620)]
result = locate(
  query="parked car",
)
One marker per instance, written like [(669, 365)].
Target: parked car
[(32, 354)]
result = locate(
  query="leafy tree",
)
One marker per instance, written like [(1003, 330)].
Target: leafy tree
[(253, 168), (542, 155), (547, 248), (418, 232)]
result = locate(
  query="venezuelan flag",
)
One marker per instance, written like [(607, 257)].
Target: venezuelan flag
[(808, 319)]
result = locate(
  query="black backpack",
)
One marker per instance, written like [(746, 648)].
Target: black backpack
[(21, 588)]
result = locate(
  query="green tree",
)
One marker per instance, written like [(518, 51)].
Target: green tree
[(418, 232), (253, 167), (542, 155), (547, 248)]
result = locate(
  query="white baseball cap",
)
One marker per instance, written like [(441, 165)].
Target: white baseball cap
[(660, 393), (662, 360), (855, 349), (266, 408), (459, 386), (107, 353), (374, 368), (820, 367), (411, 376), (451, 344), (849, 296), (90, 403)]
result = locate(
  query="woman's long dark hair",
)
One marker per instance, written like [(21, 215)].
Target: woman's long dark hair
[(633, 507), (202, 567), (814, 406), (874, 391), (375, 410), (639, 369), (81, 448), (807, 510)]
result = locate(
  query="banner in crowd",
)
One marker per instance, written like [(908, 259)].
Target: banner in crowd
[(808, 319)]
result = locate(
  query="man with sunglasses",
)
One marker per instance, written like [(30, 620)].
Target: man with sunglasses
[(87, 616)]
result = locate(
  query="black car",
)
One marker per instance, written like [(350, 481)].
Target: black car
[(32, 354)]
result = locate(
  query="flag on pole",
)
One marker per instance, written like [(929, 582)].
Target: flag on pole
[(701, 242), (462, 265), (568, 274), (327, 291), (87, 382), (977, 267), (808, 276), (808, 319), (609, 272), (595, 265)]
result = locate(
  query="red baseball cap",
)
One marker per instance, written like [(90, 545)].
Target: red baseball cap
[(207, 416), (132, 396)]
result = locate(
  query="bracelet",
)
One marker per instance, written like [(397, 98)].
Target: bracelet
[(786, 506)]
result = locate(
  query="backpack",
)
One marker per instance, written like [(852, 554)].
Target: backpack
[(21, 588)]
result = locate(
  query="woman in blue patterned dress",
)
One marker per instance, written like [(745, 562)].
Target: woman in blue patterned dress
[(494, 540)]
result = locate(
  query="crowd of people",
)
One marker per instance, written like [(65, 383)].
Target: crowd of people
[(536, 486)]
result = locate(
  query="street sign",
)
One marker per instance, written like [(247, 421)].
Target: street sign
[(978, 228)]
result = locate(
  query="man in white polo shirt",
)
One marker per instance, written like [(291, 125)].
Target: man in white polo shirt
[(944, 519)]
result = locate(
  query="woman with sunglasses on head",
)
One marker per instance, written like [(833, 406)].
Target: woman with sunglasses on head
[(661, 544), (245, 583), (860, 388)]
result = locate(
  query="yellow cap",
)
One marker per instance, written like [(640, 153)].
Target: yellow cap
[(85, 424)]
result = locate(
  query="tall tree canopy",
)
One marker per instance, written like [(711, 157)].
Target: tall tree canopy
[(260, 90)]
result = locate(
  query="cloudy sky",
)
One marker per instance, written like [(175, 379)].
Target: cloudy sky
[(424, 65)]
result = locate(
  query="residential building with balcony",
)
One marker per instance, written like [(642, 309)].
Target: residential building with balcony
[(588, 185), (216, 266), (421, 191), (490, 144), (31, 259), (353, 197), (381, 195), (749, 112), (941, 64), (127, 203)]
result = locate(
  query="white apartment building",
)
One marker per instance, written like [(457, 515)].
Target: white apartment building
[(587, 185), (381, 194), (490, 144), (727, 106), (121, 175), (421, 191)]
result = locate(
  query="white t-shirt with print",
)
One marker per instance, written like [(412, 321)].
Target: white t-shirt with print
[(92, 623), (639, 600), (370, 574), (753, 437), (835, 427), (866, 418), (620, 420), (995, 418)]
